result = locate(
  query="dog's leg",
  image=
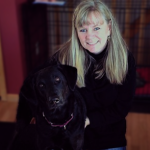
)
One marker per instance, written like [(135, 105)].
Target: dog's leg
[(77, 142)]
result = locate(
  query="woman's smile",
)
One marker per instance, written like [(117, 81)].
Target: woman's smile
[(92, 43)]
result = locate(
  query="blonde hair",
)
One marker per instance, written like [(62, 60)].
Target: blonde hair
[(72, 53)]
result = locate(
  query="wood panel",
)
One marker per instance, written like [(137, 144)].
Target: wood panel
[(138, 131)]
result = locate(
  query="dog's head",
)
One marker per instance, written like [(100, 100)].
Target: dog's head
[(50, 87)]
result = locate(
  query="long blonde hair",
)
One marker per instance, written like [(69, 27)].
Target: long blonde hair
[(72, 53)]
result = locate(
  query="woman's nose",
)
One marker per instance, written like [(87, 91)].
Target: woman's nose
[(89, 35)]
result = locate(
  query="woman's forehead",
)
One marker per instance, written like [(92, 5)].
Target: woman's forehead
[(94, 18)]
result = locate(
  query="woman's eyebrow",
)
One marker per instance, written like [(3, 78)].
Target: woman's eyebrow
[(96, 25)]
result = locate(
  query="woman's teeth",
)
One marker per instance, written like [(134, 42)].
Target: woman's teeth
[(92, 43)]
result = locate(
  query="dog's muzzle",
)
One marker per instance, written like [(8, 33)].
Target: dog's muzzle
[(54, 100)]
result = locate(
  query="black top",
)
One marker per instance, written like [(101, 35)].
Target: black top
[(107, 106)]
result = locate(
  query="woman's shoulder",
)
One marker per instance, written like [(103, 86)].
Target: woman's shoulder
[(131, 59), (53, 60), (130, 56), (131, 63)]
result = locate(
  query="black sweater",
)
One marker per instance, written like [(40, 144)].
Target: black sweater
[(107, 106)]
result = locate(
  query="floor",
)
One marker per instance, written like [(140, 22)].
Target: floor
[(138, 125), (8, 111)]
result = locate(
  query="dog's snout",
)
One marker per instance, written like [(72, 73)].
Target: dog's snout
[(54, 99)]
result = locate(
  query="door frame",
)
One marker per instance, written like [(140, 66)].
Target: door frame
[(4, 96)]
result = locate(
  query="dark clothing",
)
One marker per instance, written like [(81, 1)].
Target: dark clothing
[(107, 106)]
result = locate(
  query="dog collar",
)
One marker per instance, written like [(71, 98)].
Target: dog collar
[(56, 125)]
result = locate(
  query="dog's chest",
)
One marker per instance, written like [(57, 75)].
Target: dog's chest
[(47, 130)]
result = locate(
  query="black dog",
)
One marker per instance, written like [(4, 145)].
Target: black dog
[(51, 97)]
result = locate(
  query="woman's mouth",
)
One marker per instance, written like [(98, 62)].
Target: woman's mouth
[(92, 43)]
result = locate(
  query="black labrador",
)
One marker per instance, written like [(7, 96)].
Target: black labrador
[(52, 98)]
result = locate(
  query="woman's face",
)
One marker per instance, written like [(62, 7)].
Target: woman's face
[(93, 35)]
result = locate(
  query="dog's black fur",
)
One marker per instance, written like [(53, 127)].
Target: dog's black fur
[(52, 90)]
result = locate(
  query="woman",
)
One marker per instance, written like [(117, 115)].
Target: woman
[(106, 74)]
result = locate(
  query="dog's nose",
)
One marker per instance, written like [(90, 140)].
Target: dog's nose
[(55, 99)]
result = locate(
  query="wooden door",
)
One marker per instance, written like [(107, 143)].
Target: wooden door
[(3, 93)]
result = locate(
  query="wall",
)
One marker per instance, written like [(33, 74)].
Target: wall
[(12, 44)]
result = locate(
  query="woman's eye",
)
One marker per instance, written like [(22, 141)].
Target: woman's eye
[(97, 28), (83, 30)]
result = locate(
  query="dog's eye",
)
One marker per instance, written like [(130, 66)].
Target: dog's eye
[(57, 79), (41, 85)]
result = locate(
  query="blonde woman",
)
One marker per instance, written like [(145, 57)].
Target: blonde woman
[(106, 74)]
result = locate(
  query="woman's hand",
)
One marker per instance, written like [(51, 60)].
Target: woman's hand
[(87, 122)]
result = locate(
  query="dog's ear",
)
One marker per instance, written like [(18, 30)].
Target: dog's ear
[(70, 74), (28, 90)]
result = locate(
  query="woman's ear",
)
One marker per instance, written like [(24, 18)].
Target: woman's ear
[(109, 27)]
